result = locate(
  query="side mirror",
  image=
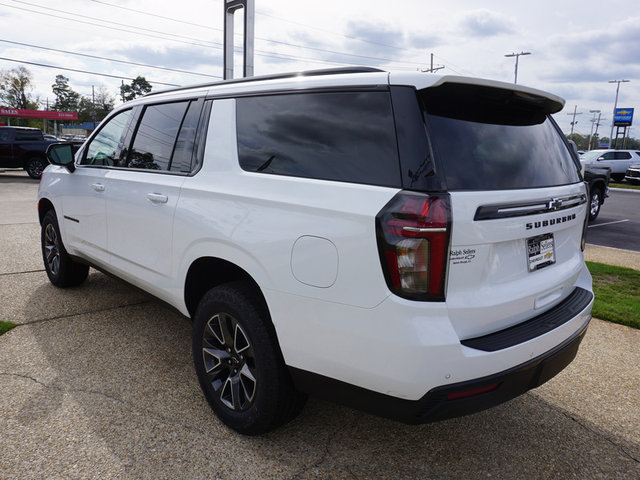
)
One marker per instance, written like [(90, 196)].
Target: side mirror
[(61, 154)]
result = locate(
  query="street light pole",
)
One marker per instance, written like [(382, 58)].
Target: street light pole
[(517, 55), (615, 105)]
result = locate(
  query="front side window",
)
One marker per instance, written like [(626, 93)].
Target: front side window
[(343, 136), (155, 138), (105, 148)]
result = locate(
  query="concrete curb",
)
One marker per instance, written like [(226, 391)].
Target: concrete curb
[(612, 256)]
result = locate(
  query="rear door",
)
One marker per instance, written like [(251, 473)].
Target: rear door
[(518, 205)]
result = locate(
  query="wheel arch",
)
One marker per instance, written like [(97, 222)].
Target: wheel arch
[(44, 205), (206, 273), (26, 156), (598, 185)]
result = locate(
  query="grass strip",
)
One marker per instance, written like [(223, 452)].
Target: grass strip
[(617, 291), (628, 186), (6, 326)]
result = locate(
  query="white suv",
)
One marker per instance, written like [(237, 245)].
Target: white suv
[(403, 243), (618, 160)]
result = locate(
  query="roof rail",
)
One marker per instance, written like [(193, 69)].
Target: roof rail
[(277, 76)]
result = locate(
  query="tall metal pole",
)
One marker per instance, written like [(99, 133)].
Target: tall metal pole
[(615, 105), (593, 121), (230, 7), (517, 55), (93, 105)]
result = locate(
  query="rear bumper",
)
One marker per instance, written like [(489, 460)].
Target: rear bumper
[(448, 401)]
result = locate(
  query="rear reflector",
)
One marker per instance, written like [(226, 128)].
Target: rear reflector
[(471, 393), (413, 232)]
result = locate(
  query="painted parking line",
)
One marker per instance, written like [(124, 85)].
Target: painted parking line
[(608, 223)]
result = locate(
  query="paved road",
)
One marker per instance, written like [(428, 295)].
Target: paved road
[(618, 224), (97, 382)]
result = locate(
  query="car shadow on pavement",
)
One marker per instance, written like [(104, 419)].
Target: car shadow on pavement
[(113, 392)]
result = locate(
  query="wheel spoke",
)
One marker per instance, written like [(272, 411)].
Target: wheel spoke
[(236, 393), (248, 382), (240, 342), (225, 393), (214, 328)]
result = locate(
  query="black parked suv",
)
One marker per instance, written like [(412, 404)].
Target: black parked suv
[(23, 147)]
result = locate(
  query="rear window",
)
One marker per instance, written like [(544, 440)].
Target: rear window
[(343, 136), (490, 139)]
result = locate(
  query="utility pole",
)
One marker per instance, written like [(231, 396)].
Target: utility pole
[(615, 105), (432, 68), (517, 55), (574, 117), (93, 105), (593, 121)]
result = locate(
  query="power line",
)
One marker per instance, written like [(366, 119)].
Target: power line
[(350, 37), (259, 38), (191, 40), (83, 71), (109, 59)]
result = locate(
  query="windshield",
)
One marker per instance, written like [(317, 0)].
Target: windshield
[(591, 155)]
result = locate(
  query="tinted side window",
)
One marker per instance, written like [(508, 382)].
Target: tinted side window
[(608, 156), (622, 156), (4, 135), (156, 136), (181, 161), (28, 135), (104, 149), (347, 136)]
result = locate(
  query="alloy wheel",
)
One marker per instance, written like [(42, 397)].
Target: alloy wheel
[(229, 362), (52, 249)]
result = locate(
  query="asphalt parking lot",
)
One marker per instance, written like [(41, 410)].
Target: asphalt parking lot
[(97, 382), (618, 224)]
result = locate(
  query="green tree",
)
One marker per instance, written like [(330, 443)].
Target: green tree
[(582, 141), (15, 91), (104, 103), (101, 104), (138, 87), (67, 100), (15, 88)]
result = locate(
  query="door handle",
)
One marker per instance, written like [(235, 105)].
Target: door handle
[(98, 187), (157, 198)]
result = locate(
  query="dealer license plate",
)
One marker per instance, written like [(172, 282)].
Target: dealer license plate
[(540, 251)]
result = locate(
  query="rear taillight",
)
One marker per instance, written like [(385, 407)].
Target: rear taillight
[(413, 232)]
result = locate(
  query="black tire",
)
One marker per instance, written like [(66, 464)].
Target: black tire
[(35, 166), (238, 361), (61, 269), (595, 201)]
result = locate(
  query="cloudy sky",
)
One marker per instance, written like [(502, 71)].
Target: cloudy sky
[(576, 46)]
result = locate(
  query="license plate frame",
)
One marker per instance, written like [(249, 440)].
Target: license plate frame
[(541, 251)]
